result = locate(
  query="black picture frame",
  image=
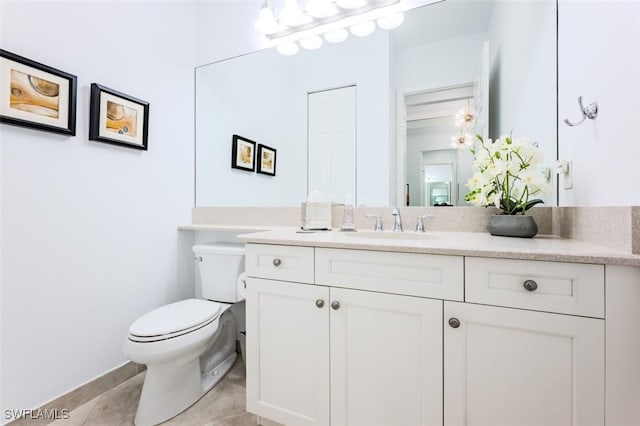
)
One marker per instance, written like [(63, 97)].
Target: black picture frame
[(114, 118), (267, 160), (243, 154), (36, 96)]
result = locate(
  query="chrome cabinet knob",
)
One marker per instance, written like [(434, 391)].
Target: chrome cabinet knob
[(277, 262), (454, 322), (319, 303), (335, 305), (530, 285)]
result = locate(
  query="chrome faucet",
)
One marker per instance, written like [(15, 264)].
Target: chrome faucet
[(378, 226), (397, 220)]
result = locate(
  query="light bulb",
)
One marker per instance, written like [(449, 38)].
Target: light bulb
[(351, 4), (266, 22), (336, 36), (291, 14), (289, 48), (321, 8), (390, 22), (311, 43), (363, 29)]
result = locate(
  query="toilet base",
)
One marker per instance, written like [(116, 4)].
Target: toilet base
[(172, 387)]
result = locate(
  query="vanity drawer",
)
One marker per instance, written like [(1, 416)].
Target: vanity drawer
[(285, 263), (566, 288), (412, 274)]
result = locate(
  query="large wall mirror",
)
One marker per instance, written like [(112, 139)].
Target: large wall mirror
[(372, 119)]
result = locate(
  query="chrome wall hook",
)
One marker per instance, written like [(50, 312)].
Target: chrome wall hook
[(590, 112)]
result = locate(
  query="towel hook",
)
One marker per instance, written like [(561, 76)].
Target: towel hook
[(590, 112)]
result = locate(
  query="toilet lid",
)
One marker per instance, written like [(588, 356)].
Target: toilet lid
[(174, 318)]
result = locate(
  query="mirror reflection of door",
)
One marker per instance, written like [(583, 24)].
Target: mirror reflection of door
[(332, 144), (436, 171)]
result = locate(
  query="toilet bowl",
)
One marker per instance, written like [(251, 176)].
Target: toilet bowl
[(188, 346)]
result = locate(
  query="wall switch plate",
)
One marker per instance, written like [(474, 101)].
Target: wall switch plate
[(564, 168)]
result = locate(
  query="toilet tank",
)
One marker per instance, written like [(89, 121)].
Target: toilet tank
[(220, 267)]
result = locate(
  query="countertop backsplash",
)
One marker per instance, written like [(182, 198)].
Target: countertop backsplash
[(612, 227)]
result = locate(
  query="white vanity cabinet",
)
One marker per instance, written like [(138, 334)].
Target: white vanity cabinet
[(536, 356), (382, 338), (287, 357), (506, 366), (320, 355)]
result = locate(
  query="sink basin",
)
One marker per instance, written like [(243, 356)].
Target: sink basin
[(387, 235)]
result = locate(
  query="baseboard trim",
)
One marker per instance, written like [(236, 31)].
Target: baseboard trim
[(81, 395)]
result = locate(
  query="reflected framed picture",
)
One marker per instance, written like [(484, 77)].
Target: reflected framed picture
[(36, 96), (266, 160), (118, 119), (243, 154)]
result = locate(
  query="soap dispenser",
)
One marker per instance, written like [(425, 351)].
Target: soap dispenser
[(347, 216)]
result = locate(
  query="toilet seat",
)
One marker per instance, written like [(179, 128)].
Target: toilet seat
[(173, 320)]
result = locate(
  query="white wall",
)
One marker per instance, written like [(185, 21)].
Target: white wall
[(1, 256), (439, 64), (224, 29), (599, 60), (89, 239)]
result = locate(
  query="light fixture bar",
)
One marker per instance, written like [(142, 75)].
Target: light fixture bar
[(344, 14)]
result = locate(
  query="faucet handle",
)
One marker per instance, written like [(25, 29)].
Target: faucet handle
[(378, 218), (420, 223)]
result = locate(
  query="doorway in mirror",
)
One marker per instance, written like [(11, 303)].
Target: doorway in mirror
[(437, 164)]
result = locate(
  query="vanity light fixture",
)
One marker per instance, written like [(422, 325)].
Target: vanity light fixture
[(311, 43), (336, 36), (266, 22), (390, 22), (362, 29), (328, 19), (351, 4), (321, 8), (288, 48), (292, 15)]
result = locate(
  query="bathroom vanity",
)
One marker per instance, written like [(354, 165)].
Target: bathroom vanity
[(440, 328)]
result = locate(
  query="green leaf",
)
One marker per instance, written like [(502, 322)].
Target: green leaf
[(532, 203)]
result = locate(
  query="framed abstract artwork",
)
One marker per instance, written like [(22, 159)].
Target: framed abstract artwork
[(36, 96), (118, 119), (266, 160), (243, 154)]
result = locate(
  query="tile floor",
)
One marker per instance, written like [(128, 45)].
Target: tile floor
[(224, 405)]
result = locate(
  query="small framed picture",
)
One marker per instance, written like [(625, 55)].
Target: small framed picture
[(118, 119), (243, 154), (36, 96), (266, 160)]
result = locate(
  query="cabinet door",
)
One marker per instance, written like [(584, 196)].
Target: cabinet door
[(386, 359), (288, 352), (513, 367)]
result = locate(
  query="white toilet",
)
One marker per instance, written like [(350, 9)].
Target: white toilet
[(188, 346)]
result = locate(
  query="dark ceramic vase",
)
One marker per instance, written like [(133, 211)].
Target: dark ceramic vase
[(518, 225)]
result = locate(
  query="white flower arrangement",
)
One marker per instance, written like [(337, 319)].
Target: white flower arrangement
[(506, 175)]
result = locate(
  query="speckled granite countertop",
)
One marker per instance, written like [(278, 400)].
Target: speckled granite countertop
[(478, 244)]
